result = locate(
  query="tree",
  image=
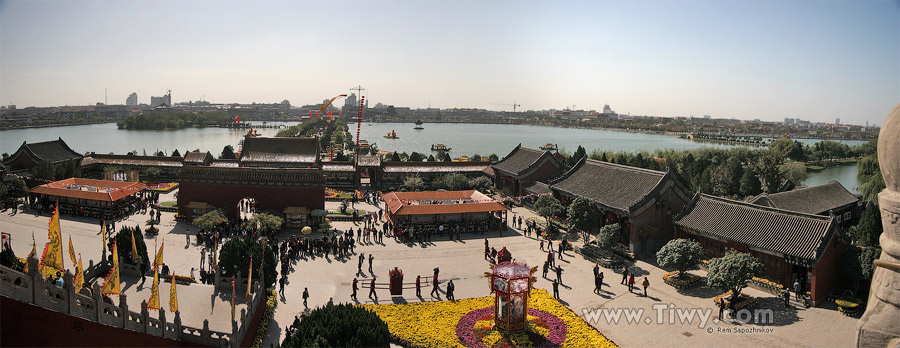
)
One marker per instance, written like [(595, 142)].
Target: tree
[(395, 157), (867, 231), (750, 184), (583, 214), (235, 255), (481, 184), (681, 254), (431, 158), (733, 271), (176, 153), (548, 206), (413, 183), (415, 157), (788, 148), (341, 325), (123, 243), (493, 157), (455, 182), (11, 191), (227, 152), (869, 174), (609, 236), (265, 223), (770, 170), (44, 170), (160, 153), (579, 153), (209, 220), (794, 171)]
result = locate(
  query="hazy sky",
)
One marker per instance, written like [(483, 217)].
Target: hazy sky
[(816, 60)]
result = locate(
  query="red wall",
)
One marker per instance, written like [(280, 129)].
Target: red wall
[(826, 273), (226, 197), (26, 325)]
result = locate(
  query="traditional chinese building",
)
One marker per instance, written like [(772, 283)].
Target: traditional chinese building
[(523, 166), (288, 152), (393, 173), (102, 199), (642, 201), (792, 246), (470, 209), (827, 199), (28, 156)]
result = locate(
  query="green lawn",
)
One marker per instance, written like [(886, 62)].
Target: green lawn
[(168, 204)]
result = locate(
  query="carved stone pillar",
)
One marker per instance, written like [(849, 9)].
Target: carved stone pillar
[(879, 327)]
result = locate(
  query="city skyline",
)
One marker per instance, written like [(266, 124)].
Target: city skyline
[(816, 61)]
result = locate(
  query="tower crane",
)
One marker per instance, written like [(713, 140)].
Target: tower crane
[(514, 105)]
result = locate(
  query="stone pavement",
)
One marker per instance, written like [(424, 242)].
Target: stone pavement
[(463, 261)]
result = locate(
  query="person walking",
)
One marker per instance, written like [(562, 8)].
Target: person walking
[(646, 284), (546, 268), (596, 284), (187, 237), (600, 276), (559, 271), (722, 308), (596, 269), (371, 257), (797, 290), (280, 285), (434, 290), (202, 257), (450, 288), (624, 275), (630, 282), (418, 286), (355, 287), (362, 258), (372, 289), (550, 258), (555, 290), (787, 298), (143, 273), (542, 245), (305, 296)]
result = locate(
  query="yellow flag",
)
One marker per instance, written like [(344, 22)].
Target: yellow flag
[(103, 235), (31, 254), (249, 278), (154, 296), (79, 275), (173, 297), (52, 259), (159, 255), (111, 286), (72, 251), (134, 252)]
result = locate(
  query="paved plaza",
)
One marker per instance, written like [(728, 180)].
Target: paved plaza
[(463, 261)]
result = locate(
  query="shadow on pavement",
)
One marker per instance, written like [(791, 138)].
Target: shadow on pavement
[(781, 315), (700, 291)]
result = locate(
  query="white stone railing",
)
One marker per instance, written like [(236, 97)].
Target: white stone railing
[(91, 305)]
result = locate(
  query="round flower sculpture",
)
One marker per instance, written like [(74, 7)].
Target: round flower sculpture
[(510, 283)]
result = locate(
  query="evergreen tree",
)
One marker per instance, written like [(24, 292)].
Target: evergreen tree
[(176, 153), (227, 152)]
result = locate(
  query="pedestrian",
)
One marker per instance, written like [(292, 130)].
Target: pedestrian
[(601, 280), (371, 257), (418, 286), (555, 290), (305, 296), (450, 288), (797, 289), (434, 282), (646, 284), (187, 237), (722, 308), (281, 285), (596, 284), (787, 298), (546, 268), (355, 287), (202, 257), (550, 258), (630, 282), (542, 245), (372, 289), (143, 273), (624, 274), (359, 266), (596, 269), (559, 271)]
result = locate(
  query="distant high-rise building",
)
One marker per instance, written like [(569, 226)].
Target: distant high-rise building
[(608, 110), (157, 101), (837, 120), (132, 100)]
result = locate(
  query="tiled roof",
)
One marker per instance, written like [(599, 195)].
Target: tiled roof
[(434, 167), (225, 163), (520, 159), (128, 160), (787, 232), (89, 189), (197, 157), (415, 203), (53, 151), (284, 150), (614, 186), (368, 161), (536, 188), (813, 200), (254, 175), (338, 166)]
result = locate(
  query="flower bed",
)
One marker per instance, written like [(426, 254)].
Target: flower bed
[(743, 301), (767, 285), (162, 186), (271, 303), (333, 195), (684, 281), (601, 257), (848, 304), (182, 280), (465, 323)]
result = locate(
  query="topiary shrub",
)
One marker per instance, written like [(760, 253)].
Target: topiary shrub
[(236, 253), (123, 243), (340, 325)]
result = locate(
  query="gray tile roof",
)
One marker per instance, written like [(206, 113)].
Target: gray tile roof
[(254, 176), (536, 187), (283, 150), (368, 161), (434, 167), (520, 159), (813, 200), (127, 160), (791, 233), (197, 157), (53, 151), (614, 186)]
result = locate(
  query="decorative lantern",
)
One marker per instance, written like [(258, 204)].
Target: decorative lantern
[(510, 283), (396, 278)]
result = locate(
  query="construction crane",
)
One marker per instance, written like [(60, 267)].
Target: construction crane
[(514, 105), (358, 90)]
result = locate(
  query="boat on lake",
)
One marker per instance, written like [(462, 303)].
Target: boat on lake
[(392, 135), (439, 147), (549, 147), (418, 125)]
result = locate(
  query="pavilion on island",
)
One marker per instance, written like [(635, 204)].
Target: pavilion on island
[(103, 199), (469, 210)]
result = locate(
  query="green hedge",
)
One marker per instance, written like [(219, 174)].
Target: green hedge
[(340, 325)]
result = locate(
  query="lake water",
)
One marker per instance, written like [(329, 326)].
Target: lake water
[(463, 138)]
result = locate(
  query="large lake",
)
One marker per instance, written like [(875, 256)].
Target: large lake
[(463, 138)]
